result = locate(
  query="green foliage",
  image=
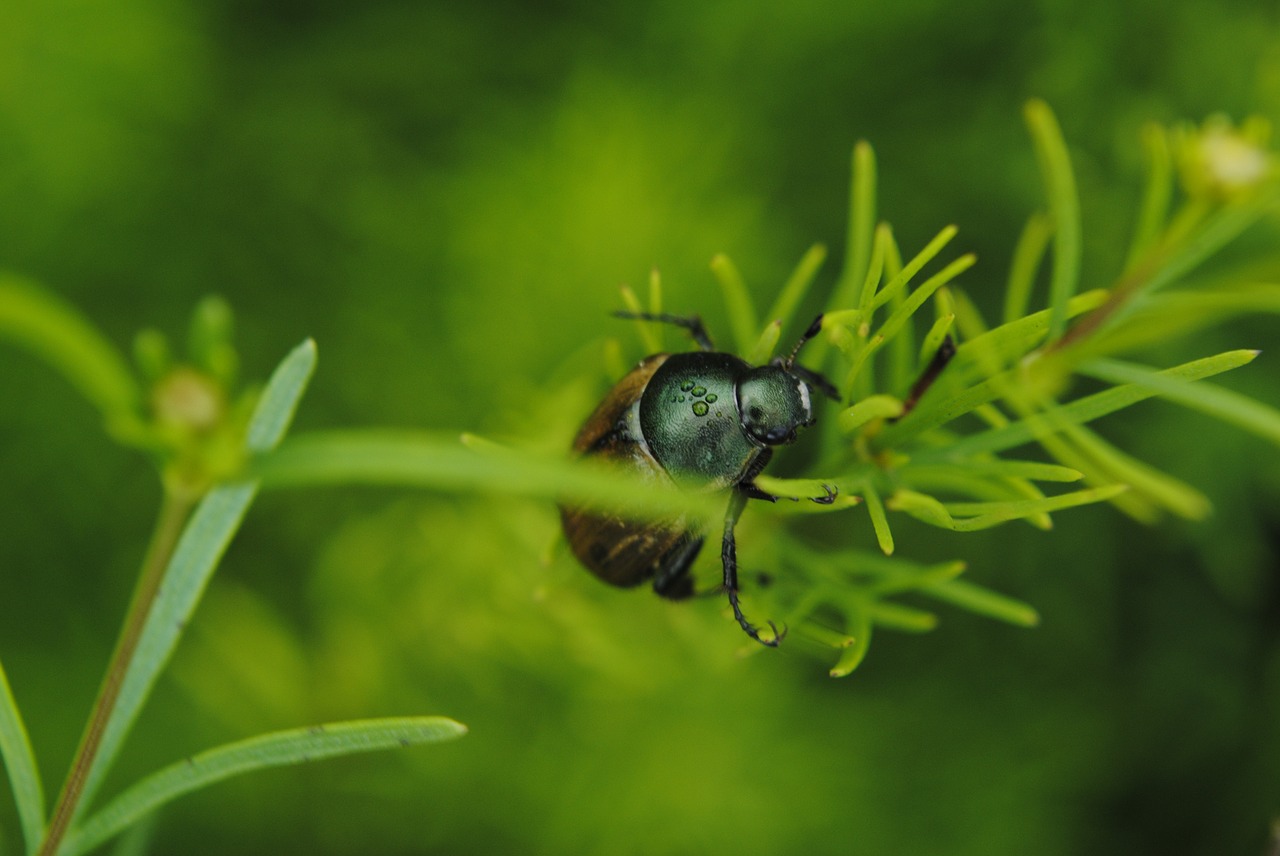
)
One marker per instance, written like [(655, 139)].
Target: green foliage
[(337, 178), (299, 746), (1009, 386), (184, 553)]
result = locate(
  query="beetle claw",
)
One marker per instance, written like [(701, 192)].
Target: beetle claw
[(750, 629), (831, 493)]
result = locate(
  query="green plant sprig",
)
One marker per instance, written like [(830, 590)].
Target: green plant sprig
[(1013, 381), (942, 460), (200, 444)]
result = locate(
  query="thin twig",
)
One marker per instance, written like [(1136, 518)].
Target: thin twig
[(174, 510)]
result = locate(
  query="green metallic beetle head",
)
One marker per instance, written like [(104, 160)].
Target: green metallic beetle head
[(772, 404)]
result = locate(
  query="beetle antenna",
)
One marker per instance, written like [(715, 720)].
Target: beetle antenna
[(814, 329), (812, 378)]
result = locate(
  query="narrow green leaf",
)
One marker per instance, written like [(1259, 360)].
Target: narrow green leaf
[(57, 333), (1220, 229), (278, 749), (20, 762), (1231, 407), (875, 407), (742, 312), (922, 507), (1155, 199), (203, 541), (764, 346), (882, 248), (1151, 487), (1028, 254), (824, 635), (984, 515), (901, 363), (1164, 317), (1084, 410), (784, 306), (137, 839), (933, 339), (861, 226), (419, 460), (984, 602), (879, 520), (903, 276), (650, 337), (918, 578), (861, 353), (900, 316), (1008, 343), (958, 479), (939, 412), (852, 656), (655, 292), (972, 516), (1064, 207), (1033, 470), (906, 619)]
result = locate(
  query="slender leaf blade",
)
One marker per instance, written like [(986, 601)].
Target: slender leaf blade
[(1085, 409), (983, 601), (1064, 205), (20, 762), (412, 459), (784, 306), (1028, 253), (742, 312), (879, 520), (281, 748), (53, 330), (199, 549), (1231, 407), (853, 655)]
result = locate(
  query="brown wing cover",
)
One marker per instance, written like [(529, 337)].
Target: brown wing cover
[(620, 551)]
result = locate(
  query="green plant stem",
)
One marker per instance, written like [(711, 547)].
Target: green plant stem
[(174, 510)]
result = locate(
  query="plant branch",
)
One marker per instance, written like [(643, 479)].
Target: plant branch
[(175, 509)]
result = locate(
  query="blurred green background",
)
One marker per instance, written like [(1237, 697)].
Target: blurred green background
[(446, 197)]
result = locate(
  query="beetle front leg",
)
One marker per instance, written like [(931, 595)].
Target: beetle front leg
[(692, 323), (729, 557)]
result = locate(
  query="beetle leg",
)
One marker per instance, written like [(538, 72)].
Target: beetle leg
[(672, 580), (753, 492), (729, 556), (692, 323), (829, 493), (748, 483)]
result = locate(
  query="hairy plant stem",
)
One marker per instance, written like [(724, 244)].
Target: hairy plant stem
[(175, 508)]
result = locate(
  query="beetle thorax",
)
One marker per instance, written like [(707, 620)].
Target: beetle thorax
[(690, 420)]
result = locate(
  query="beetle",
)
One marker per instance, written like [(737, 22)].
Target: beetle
[(703, 420)]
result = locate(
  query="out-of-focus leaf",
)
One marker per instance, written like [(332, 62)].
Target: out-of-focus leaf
[(281, 748), (20, 762), (203, 541), (1231, 407), (57, 333)]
